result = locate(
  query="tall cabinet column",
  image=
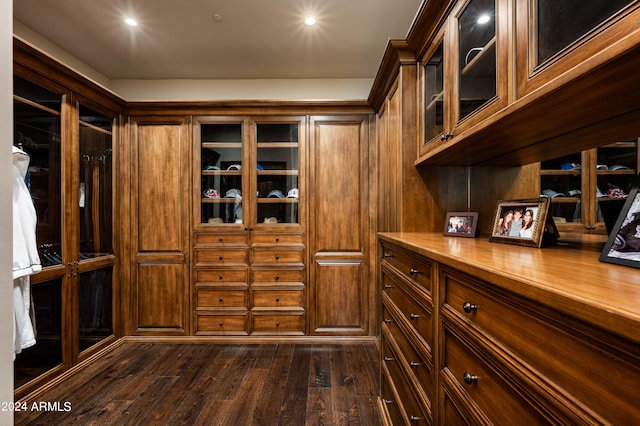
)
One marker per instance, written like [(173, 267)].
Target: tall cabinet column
[(160, 226), (339, 224)]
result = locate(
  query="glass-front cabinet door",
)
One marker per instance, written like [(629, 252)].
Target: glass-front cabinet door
[(554, 36), (436, 105), (275, 177), (222, 165)]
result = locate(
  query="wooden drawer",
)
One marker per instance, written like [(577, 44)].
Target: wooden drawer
[(220, 256), (415, 366), (218, 298), (278, 298), (407, 403), (277, 256), (278, 275), (223, 323), (269, 323), (221, 275), (277, 239), (407, 303), (541, 337), (222, 238), (390, 400), (477, 381), (413, 267)]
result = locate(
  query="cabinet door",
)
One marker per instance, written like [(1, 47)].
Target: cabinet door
[(552, 38), (339, 285), (160, 226)]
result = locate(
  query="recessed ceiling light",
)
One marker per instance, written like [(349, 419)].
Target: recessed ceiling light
[(310, 20), (131, 22), (217, 17), (483, 19)]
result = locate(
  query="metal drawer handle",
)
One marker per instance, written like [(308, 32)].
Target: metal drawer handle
[(277, 324), (388, 401), (220, 239), (277, 277), (220, 276), (221, 299), (413, 271), (469, 378), (414, 419), (388, 255), (387, 286), (414, 316), (388, 359), (277, 239), (414, 364), (387, 321), (221, 323), (277, 256), (220, 257), (469, 307), (277, 299)]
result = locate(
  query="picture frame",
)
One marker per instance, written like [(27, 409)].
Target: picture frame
[(522, 222), (461, 224), (623, 245)]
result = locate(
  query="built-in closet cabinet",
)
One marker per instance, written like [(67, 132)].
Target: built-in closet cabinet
[(341, 296), (464, 72), (70, 132), (160, 226), (249, 225)]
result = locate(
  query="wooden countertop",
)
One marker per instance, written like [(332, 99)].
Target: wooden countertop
[(568, 278)]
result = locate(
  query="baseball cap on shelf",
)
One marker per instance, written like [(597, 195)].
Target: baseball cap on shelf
[(210, 193), (276, 193), (552, 194), (215, 220), (293, 193), (570, 166), (270, 220), (574, 193), (235, 167), (233, 193), (618, 167)]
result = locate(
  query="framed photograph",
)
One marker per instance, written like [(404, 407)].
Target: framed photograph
[(623, 245), (521, 222), (461, 224)]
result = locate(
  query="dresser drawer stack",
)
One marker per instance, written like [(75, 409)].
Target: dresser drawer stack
[(407, 335), (277, 291), (508, 357), (221, 274)]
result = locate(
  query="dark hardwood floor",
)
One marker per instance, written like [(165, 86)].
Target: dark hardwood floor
[(201, 384)]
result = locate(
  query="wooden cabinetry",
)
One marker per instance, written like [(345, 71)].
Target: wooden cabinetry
[(160, 225), (545, 345), (464, 73), (532, 115), (70, 133), (586, 186), (339, 240), (249, 252)]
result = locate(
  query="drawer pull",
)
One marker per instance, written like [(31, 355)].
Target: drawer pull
[(414, 364), (277, 277), (387, 321), (277, 256), (388, 255), (220, 257), (221, 323), (414, 316), (414, 419), (220, 239), (388, 359), (221, 299), (220, 276), (469, 378), (388, 401), (277, 299), (387, 286), (413, 271), (277, 239), (469, 307), (277, 324)]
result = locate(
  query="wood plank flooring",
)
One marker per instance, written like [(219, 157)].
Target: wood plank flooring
[(201, 384)]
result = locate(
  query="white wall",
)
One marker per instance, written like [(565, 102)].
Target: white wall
[(6, 242)]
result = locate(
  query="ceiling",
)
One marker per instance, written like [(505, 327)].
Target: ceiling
[(256, 39)]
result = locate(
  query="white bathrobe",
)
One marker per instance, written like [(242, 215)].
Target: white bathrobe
[(26, 260)]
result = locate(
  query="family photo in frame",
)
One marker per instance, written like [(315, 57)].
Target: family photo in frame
[(521, 222), (623, 245), (461, 224)]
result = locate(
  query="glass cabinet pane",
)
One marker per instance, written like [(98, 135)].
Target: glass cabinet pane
[(561, 181), (47, 352), (277, 172), (96, 184), (37, 128), (560, 23), (221, 173), (616, 168), (434, 95), (96, 307), (477, 56)]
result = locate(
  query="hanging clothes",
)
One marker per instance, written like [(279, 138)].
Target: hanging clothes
[(26, 260)]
